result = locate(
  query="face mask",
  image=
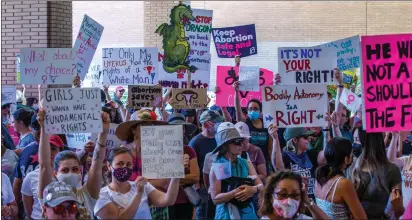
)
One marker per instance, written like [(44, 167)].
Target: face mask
[(286, 208), (71, 179), (253, 115), (122, 174)]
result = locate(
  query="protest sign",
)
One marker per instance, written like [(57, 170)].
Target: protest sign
[(8, 94), (77, 140), (232, 41), (348, 54), (227, 75), (86, 44), (387, 82), (72, 110), (18, 68), (189, 98), (93, 78), (249, 78), (112, 140), (144, 96), (47, 65), (222, 170), (130, 66), (306, 65), (190, 52), (295, 106), (162, 151), (350, 100)]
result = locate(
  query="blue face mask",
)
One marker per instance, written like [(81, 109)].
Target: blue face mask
[(253, 115)]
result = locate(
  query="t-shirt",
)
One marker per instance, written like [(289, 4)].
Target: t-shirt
[(298, 217), (28, 161), (84, 198), (209, 160), (202, 145), (406, 179), (304, 169), (373, 200), (256, 156), (8, 163), (25, 140), (181, 196), (123, 200), (7, 195), (30, 188), (260, 138)]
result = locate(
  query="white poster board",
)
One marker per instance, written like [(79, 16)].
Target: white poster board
[(93, 78), (77, 140), (47, 65), (8, 94), (112, 140), (350, 100), (348, 53), (130, 66), (72, 110), (162, 151), (86, 44), (306, 65), (249, 78), (295, 106)]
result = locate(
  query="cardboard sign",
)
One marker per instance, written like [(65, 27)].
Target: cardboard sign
[(295, 106), (227, 75), (306, 65), (162, 151), (249, 78), (72, 110), (47, 65), (77, 141), (130, 66), (8, 94), (93, 78), (144, 96), (387, 80), (222, 170), (238, 40), (86, 44), (350, 100), (189, 98), (112, 140), (348, 54)]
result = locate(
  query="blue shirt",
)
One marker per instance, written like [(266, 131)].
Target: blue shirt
[(29, 138), (202, 145), (28, 160)]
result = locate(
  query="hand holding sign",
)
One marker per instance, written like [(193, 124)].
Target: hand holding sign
[(40, 117), (140, 183), (186, 160), (222, 170)]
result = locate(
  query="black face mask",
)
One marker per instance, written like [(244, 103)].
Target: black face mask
[(357, 149)]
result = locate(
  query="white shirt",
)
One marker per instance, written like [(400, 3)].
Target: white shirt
[(7, 195), (298, 217), (406, 179), (30, 188), (123, 200)]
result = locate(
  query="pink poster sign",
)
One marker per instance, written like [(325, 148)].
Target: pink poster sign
[(227, 75), (387, 82)]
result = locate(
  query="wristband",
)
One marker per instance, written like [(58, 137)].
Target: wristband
[(101, 145)]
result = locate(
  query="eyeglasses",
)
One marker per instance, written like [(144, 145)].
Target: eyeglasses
[(237, 142), (282, 195), (71, 208)]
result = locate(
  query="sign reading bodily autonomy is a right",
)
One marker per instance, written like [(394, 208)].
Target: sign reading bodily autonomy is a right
[(387, 82), (295, 106), (232, 41), (47, 65), (306, 65)]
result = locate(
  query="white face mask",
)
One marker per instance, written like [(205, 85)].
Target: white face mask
[(286, 208), (71, 179)]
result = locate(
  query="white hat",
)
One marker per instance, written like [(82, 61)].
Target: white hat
[(243, 129), (225, 132)]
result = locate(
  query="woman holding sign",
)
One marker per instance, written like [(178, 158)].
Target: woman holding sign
[(66, 168), (233, 180)]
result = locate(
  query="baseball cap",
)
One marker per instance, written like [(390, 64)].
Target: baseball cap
[(291, 133), (243, 129), (57, 192), (56, 141), (225, 132), (188, 112), (34, 124), (179, 119), (210, 115), (119, 88)]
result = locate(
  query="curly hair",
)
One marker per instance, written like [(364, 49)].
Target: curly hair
[(271, 183)]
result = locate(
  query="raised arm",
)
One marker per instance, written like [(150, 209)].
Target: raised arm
[(276, 156), (95, 172), (45, 163), (160, 199), (238, 107), (392, 150)]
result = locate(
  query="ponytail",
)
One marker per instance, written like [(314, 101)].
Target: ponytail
[(326, 172)]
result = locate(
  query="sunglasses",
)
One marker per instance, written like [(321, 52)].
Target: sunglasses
[(237, 142), (60, 209)]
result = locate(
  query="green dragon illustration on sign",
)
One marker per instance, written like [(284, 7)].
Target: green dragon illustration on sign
[(175, 43)]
